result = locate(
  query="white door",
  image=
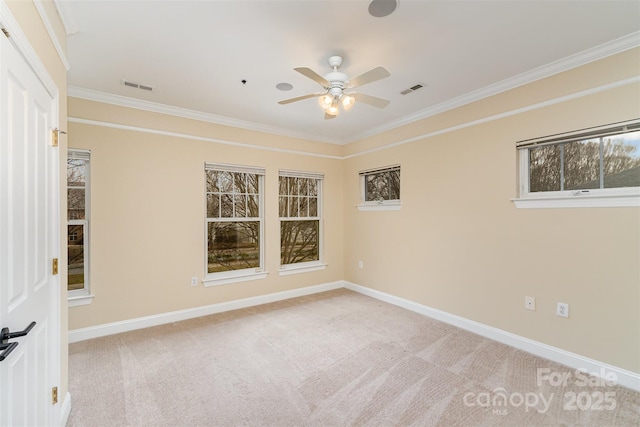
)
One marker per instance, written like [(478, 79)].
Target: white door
[(28, 243)]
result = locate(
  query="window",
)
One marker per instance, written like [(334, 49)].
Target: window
[(300, 205), (234, 224), (380, 189), (590, 168), (78, 227)]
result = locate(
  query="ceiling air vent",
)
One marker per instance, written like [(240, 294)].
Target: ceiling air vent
[(413, 88), (137, 85)]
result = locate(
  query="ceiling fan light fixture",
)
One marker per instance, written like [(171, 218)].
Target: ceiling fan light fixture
[(325, 101), (347, 102), (334, 108)]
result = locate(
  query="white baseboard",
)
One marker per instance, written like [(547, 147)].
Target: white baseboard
[(624, 377), (65, 410), (90, 332)]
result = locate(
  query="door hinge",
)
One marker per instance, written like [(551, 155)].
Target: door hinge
[(54, 136), (6, 33), (54, 266), (54, 395)]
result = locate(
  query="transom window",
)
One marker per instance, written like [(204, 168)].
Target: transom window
[(380, 188), (234, 223), (592, 164), (300, 207)]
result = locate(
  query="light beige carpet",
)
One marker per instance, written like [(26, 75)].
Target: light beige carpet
[(332, 359)]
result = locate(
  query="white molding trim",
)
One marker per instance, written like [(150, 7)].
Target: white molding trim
[(547, 103), (591, 201), (154, 107), (532, 107), (82, 334), (602, 51), (596, 53), (65, 410), (197, 138), (52, 34), (624, 377)]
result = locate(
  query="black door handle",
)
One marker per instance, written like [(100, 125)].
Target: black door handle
[(5, 335)]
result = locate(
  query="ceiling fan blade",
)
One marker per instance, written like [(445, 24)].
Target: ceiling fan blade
[(371, 100), (308, 72), (370, 76), (328, 116), (298, 98)]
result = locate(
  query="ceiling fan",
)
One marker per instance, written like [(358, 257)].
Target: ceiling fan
[(336, 84)]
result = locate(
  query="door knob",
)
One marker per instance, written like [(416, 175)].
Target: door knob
[(5, 335)]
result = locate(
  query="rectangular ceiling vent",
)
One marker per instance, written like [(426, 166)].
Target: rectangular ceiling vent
[(413, 88), (137, 85)]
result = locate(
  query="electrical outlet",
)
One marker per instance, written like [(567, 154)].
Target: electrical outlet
[(194, 281), (562, 309), (360, 264), (530, 303)]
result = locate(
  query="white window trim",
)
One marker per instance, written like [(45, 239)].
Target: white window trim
[(236, 276), (594, 198), (386, 205), (301, 267), (248, 274), (309, 266), (83, 296)]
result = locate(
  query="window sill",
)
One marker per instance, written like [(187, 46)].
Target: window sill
[(379, 207), (75, 301), (228, 278), (581, 201), (301, 268)]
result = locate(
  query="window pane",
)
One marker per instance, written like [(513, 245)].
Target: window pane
[(252, 184), (293, 207), (304, 186), (394, 184), (226, 206), (253, 206), (76, 172), (582, 164), (622, 160), (233, 245), (240, 182), (313, 187), (282, 184), (75, 203), (293, 186), (213, 205), (304, 207), (240, 202), (283, 207), (212, 181), (299, 241), (225, 181), (374, 187), (544, 168), (313, 206), (75, 253)]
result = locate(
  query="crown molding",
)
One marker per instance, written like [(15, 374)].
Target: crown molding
[(52, 34), (154, 107), (602, 51), (66, 16)]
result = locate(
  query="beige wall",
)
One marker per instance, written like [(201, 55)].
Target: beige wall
[(460, 245), (29, 20), (147, 206)]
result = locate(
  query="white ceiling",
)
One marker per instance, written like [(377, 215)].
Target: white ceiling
[(196, 53)]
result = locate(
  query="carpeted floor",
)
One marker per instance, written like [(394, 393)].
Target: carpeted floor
[(332, 359)]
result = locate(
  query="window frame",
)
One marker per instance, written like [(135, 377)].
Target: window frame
[(77, 297), (306, 266), (245, 274), (378, 205), (600, 197)]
